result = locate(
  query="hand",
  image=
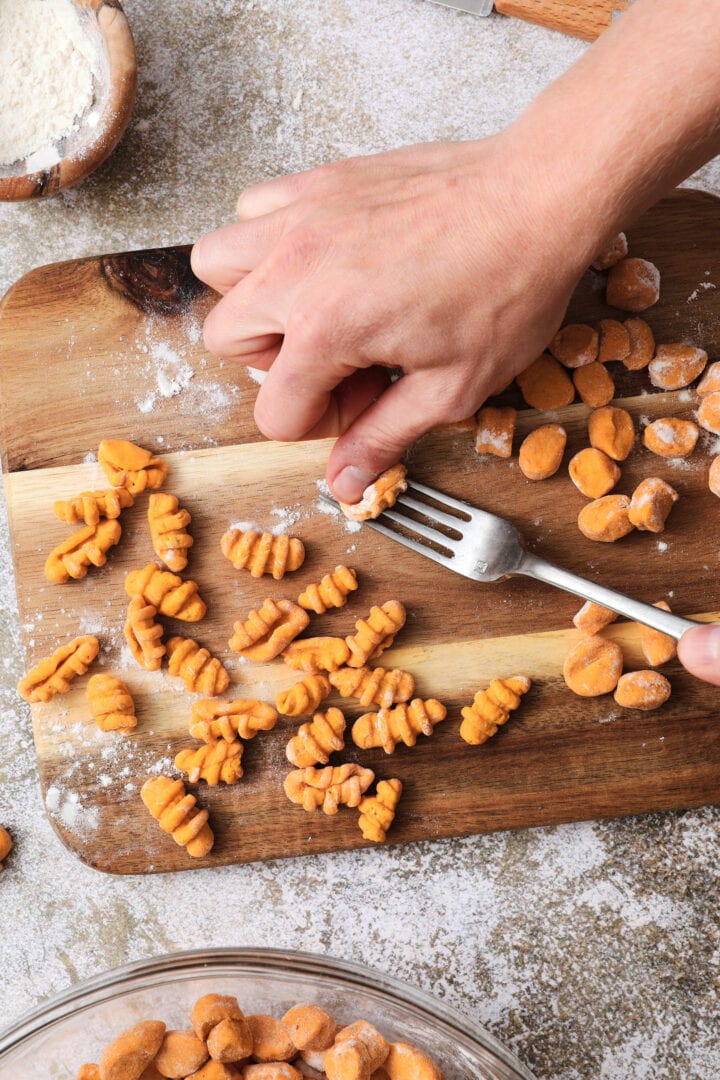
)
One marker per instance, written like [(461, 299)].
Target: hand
[(699, 652), (449, 261)]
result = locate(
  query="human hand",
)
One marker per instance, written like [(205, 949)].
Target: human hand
[(450, 261), (699, 652)]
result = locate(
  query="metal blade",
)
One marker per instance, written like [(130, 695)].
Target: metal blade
[(473, 7)]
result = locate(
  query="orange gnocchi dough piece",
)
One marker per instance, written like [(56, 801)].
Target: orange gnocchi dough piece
[(268, 631), (180, 1054), (243, 718), (407, 1062), (614, 341), (130, 466), (6, 845), (676, 366), (130, 1053), (710, 382), (314, 655), (263, 553), (176, 813), (593, 667), (709, 412), (378, 496), (317, 740), (575, 345), (714, 476), (612, 430), (658, 648), (642, 344), (54, 674), (615, 250), (593, 473), (168, 523), (310, 1027), (592, 618), (651, 502), (201, 672), (90, 506), (271, 1070), (111, 703), (546, 385), (606, 519), (271, 1039), (87, 547), (594, 384), (329, 787), (541, 451), (644, 690), (633, 285), (377, 812), (669, 437), (495, 430)]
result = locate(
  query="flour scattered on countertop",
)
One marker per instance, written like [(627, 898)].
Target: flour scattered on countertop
[(701, 287), (287, 515), (334, 511)]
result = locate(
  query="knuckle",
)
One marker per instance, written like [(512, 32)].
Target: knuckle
[(308, 327)]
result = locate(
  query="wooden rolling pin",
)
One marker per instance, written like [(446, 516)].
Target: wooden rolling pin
[(580, 18)]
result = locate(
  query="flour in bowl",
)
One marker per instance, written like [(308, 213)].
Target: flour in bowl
[(47, 60)]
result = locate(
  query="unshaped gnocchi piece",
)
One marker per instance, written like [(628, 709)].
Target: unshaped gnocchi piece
[(168, 530), (230, 1040), (594, 384), (211, 1070), (271, 1039), (495, 430), (263, 553), (709, 412), (651, 502), (546, 385), (675, 366), (378, 496), (642, 344), (268, 631), (614, 341), (54, 674), (5, 845), (658, 648), (575, 345), (359, 1047), (130, 466), (606, 519), (180, 1054), (593, 473), (611, 430), (714, 476), (271, 1070), (131, 1052), (710, 381), (408, 1062), (310, 1027), (643, 690), (541, 451), (633, 285), (669, 437), (592, 618), (615, 250), (87, 547), (593, 667), (210, 1010)]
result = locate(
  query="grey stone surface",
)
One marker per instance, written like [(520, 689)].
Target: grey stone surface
[(592, 950)]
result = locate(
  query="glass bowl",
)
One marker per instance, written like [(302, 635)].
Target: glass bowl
[(53, 1041)]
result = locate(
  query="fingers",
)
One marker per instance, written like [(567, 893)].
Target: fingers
[(349, 400), (699, 652), (272, 195), (296, 395), (380, 436), (222, 257), (242, 322)]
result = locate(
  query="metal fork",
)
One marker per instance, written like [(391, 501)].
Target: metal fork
[(486, 547)]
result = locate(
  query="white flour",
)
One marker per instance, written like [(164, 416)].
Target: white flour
[(47, 62)]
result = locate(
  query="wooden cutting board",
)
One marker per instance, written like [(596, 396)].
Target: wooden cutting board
[(110, 347)]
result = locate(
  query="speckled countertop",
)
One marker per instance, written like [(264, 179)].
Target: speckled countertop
[(592, 950)]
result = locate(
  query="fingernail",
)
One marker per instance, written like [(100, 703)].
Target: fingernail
[(350, 483), (705, 644)]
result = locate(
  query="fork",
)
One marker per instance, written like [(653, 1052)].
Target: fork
[(486, 547)]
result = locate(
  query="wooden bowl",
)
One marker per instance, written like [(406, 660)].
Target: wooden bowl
[(100, 130)]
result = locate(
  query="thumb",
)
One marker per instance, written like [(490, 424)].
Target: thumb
[(699, 652), (379, 437)]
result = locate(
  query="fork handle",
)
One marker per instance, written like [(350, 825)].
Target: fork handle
[(664, 621)]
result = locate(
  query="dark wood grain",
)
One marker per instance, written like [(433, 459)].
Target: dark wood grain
[(72, 337)]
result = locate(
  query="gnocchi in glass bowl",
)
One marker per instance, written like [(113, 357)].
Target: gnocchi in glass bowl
[(73, 1028)]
